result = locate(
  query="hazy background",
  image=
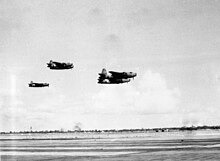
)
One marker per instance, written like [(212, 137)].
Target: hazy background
[(172, 45)]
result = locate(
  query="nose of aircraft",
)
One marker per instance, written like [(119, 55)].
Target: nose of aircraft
[(134, 74)]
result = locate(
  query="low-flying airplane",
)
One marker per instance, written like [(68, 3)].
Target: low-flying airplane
[(32, 84), (59, 65), (113, 77)]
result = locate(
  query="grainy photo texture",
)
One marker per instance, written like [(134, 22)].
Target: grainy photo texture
[(109, 80)]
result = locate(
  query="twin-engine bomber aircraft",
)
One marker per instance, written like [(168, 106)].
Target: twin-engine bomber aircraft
[(105, 77), (32, 84), (52, 65), (115, 77), (59, 66)]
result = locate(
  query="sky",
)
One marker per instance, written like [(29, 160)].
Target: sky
[(172, 45)]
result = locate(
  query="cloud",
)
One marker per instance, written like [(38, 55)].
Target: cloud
[(151, 96)]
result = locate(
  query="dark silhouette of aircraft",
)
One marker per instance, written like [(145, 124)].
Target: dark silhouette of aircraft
[(32, 84), (59, 65), (115, 77)]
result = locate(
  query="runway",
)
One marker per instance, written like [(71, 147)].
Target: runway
[(124, 146)]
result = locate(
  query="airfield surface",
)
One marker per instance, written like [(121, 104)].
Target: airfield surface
[(196, 145)]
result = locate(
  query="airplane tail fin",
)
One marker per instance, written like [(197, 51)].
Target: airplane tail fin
[(104, 71), (50, 62)]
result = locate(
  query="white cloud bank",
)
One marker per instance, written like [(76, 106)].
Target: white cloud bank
[(150, 96)]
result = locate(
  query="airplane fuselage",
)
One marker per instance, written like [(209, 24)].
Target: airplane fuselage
[(114, 81), (59, 66), (123, 75), (39, 85), (112, 77)]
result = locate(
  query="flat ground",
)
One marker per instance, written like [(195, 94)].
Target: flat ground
[(124, 146)]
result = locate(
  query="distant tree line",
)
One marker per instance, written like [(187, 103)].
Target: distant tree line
[(185, 128)]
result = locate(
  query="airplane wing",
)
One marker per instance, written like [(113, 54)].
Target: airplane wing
[(116, 74)]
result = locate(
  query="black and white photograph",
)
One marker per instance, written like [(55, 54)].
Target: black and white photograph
[(109, 80)]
